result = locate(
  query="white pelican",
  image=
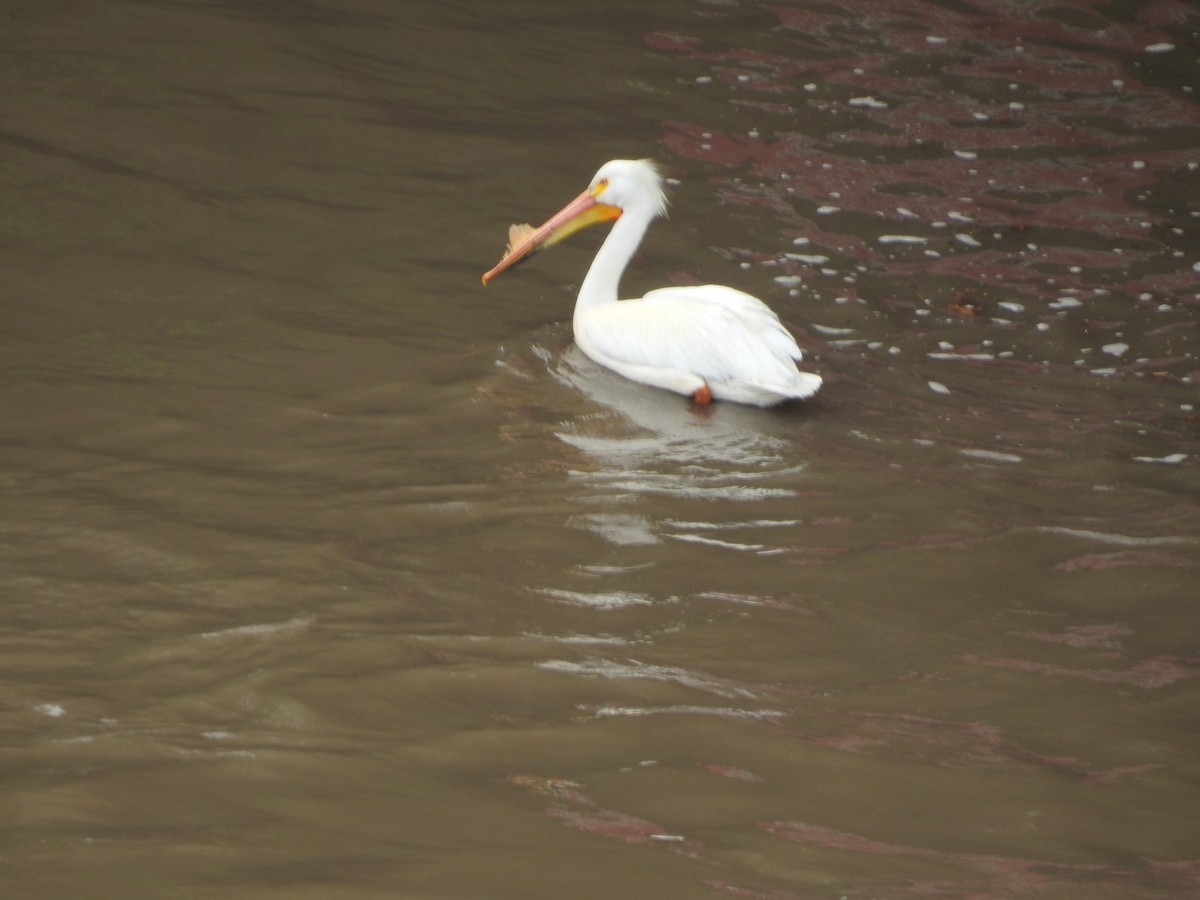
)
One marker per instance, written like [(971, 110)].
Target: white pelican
[(708, 341)]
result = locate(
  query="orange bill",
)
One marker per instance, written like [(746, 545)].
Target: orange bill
[(581, 212)]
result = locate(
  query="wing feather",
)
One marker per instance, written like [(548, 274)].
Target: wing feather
[(716, 332)]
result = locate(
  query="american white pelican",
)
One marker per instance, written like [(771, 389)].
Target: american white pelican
[(708, 341)]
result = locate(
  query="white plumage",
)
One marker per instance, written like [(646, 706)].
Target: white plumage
[(707, 341)]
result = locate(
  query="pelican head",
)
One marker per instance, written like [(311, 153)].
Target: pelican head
[(630, 184), (633, 186)]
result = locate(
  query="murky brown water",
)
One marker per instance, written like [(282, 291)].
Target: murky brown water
[(327, 572)]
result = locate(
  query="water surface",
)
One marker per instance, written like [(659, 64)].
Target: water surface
[(328, 572)]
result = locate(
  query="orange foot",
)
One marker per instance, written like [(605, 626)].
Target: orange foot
[(703, 396)]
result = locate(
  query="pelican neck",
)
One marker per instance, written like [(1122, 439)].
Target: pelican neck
[(604, 277)]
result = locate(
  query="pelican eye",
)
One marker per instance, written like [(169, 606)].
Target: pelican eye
[(601, 184)]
